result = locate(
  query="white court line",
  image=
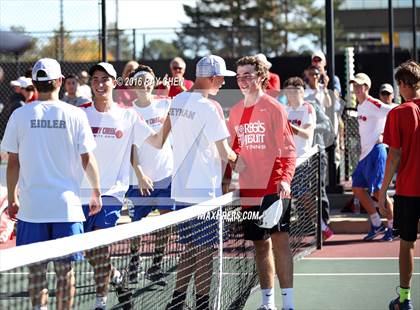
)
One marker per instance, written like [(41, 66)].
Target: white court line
[(354, 258), (350, 274)]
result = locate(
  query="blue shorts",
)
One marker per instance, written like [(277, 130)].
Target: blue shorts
[(198, 232), (107, 217), (300, 186), (370, 170), (28, 232), (159, 199)]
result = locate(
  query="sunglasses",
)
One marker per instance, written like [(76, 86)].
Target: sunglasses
[(317, 59), (177, 68)]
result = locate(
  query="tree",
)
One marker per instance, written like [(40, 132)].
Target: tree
[(245, 27), (159, 49), (125, 47), (29, 54), (74, 48)]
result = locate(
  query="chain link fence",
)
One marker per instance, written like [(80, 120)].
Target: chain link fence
[(351, 139)]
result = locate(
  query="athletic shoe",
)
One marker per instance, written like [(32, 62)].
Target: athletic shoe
[(156, 275), (116, 278), (396, 305), (264, 307), (327, 234), (388, 235), (374, 231), (119, 281)]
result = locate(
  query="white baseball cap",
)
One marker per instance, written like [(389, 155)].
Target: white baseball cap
[(17, 82), (361, 78), (212, 65), (319, 54), (263, 59), (386, 87), (104, 66), (25, 82), (50, 66)]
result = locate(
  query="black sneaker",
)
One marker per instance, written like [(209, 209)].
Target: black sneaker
[(123, 291), (156, 275), (395, 304)]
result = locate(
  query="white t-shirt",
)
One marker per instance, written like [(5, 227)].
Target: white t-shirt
[(77, 101), (115, 131), (371, 115), (318, 94), (85, 91), (197, 123), (49, 137), (303, 115), (156, 164)]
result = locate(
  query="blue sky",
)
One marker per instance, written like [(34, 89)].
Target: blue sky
[(44, 15)]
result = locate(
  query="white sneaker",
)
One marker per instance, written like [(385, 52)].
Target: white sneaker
[(265, 307)]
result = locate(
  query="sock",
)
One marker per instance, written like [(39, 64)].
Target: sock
[(390, 224), (323, 226), (40, 308), (375, 219), (287, 297), (178, 298), (116, 277), (202, 302), (268, 297), (100, 302), (404, 294)]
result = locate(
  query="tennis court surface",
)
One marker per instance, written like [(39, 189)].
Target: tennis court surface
[(345, 274), (348, 274)]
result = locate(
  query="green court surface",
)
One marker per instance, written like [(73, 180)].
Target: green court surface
[(344, 284), (145, 294)]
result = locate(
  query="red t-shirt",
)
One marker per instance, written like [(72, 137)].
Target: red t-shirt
[(262, 137), (402, 131), (175, 89), (273, 86)]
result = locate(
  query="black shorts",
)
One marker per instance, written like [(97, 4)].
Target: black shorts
[(255, 233), (406, 217)]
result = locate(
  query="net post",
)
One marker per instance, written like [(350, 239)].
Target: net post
[(219, 291), (319, 204)]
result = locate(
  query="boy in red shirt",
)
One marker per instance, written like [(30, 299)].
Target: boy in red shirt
[(402, 134), (262, 137)]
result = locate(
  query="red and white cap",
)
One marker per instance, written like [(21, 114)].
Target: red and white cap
[(50, 66)]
